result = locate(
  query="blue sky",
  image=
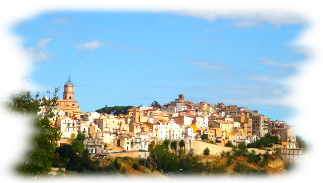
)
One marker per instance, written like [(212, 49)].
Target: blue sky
[(265, 55)]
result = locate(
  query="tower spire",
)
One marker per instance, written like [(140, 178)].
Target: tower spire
[(69, 82)]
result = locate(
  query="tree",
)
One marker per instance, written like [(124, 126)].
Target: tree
[(27, 140), (116, 110), (80, 136), (173, 145), (229, 144), (181, 143), (206, 151), (204, 137), (156, 104)]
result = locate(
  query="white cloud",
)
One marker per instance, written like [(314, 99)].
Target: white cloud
[(12, 8), (203, 64), (91, 45), (308, 98), (313, 55), (307, 78), (243, 12), (75, 1), (41, 50), (10, 51), (12, 22), (246, 23), (272, 62)]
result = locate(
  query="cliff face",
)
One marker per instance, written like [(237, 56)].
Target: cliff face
[(275, 166)]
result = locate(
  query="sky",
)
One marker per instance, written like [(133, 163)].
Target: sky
[(266, 55)]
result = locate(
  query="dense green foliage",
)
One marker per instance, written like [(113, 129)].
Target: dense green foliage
[(116, 110), (181, 143), (302, 143), (204, 137), (229, 144), (75, 157), (206, 151), (173, 145), (168, 162), (245, 174), (266, 141), (156, 104), (163, 160), (241, 150), (27, 140)]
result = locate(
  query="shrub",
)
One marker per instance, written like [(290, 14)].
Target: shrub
[(204, 137), (135, 166), (206, 151), (142, 162), (116, 164), (253, 158), (191, 152), (229, 144)]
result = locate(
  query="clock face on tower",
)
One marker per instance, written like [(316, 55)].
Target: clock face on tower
[(70, 89)]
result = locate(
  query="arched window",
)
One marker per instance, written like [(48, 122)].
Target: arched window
[(70, 97)]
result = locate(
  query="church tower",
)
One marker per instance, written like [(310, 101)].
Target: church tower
[(68, 90)]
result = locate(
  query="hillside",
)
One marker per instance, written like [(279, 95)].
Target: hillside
[(212, 165), (216, 166)]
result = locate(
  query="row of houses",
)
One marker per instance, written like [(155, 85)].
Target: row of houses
[(177, 120)]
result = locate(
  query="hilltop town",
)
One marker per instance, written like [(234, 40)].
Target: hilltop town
[(179, 141), (198, 125)]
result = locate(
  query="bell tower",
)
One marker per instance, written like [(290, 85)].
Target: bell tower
[(68, 90)]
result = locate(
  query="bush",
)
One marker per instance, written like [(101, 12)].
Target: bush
[(266, 141), (253, 158), (206, 151), (142, 162), (116, 164), (265, 159), (241, 150), (191, 152), (136, 166), (229, 144), (204, 137), (251, 175)]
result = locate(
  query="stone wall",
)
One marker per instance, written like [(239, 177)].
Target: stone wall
[(133, 154), (199, 147)]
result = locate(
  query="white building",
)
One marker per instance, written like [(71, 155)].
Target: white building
[(203, 120), (106, 137), (162, 131), (236, 124), (67, 126), (189, 132)]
